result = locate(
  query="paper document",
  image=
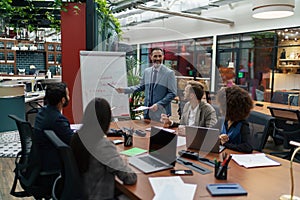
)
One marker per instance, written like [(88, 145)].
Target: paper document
[(141, 108), (172, 188), (75, 126), (165, 129), (181, 141), (133, 151), (254, 160)]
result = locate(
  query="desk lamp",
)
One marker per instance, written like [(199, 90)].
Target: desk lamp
[(291, 196)]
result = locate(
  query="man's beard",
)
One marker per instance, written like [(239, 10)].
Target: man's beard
[(66, 103), (156, 64)]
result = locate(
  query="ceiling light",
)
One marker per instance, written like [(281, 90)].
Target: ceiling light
[(272, 9)]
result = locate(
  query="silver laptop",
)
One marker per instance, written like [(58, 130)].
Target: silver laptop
[(162, 152), (203, 139)]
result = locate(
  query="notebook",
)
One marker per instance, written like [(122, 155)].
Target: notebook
[(162, 152), (203, 139), (226, 189)]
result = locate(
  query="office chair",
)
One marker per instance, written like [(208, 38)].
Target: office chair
[(278, 97), (286, 128), (261, 127), (69, 181), (28, 167), (35, 106)]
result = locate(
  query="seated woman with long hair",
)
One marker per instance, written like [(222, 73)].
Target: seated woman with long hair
[(97, 157)]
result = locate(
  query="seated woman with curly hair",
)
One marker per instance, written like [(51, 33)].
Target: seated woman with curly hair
[(235, 104)]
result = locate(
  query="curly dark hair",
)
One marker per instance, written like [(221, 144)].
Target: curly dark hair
[(235, 102)]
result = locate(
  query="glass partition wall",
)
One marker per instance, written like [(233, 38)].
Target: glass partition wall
[(265, 63)]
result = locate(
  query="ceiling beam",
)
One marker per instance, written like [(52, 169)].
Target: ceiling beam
[(181, 14)]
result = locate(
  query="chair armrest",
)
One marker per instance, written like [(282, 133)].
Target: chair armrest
[(50, 172)]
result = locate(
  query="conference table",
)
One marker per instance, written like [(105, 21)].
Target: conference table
[(260, 183)]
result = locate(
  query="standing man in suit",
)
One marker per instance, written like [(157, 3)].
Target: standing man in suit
[(159, 84)]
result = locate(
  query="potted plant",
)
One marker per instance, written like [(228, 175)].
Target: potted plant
[(136, 99)]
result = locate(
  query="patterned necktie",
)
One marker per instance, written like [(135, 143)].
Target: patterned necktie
[(154, 76)]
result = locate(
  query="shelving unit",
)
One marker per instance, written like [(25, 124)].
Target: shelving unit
[(289, 64), (53, 54), (7, 55)]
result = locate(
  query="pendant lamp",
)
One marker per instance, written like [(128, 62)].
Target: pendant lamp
[(272, 9)]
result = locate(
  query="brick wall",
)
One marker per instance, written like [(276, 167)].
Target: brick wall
[(26, 58), (7, 68)]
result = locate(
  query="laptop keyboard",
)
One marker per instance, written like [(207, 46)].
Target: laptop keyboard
[(152, 162)]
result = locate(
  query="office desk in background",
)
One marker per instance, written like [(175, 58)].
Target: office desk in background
[(34, 96), (260, 183), (264, 109)]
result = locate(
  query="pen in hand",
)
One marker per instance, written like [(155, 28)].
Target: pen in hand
[(111, 85)]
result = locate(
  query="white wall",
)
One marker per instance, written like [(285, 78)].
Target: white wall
[(175, 28), (286, 81)]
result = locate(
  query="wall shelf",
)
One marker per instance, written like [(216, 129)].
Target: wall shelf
[(290, 66), (8, 57)]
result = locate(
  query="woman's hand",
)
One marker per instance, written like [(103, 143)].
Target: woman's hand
[(224, 138), (165, 119)]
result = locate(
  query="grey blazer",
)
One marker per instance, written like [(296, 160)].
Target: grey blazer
[(205, 115), (164, 91)]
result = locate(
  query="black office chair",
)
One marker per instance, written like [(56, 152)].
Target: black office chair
[(28, 168), (35, 106), (286, 128), (70, 177), (261, 127)]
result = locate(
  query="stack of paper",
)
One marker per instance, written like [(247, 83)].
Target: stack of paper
[(254, 160), (172, 188)]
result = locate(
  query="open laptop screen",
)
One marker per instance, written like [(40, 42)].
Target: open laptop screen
[(163, 144), (202, 138)]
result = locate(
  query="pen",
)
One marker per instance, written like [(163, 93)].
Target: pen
[(227, 161), (111, 85), (227, 187)]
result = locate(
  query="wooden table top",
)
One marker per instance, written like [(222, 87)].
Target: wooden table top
[(260, 183), (264, 108)]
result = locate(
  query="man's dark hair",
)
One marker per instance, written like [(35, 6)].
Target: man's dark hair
[(55, 92), (157, 49), (197, 89)]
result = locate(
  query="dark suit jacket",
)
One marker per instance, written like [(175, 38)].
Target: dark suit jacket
[(49, 118), (164, 90)]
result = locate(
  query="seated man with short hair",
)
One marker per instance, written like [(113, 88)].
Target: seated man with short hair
[(195, 112), (50, 117)]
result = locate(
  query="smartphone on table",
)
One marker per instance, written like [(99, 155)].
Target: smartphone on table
[(181, 172)]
